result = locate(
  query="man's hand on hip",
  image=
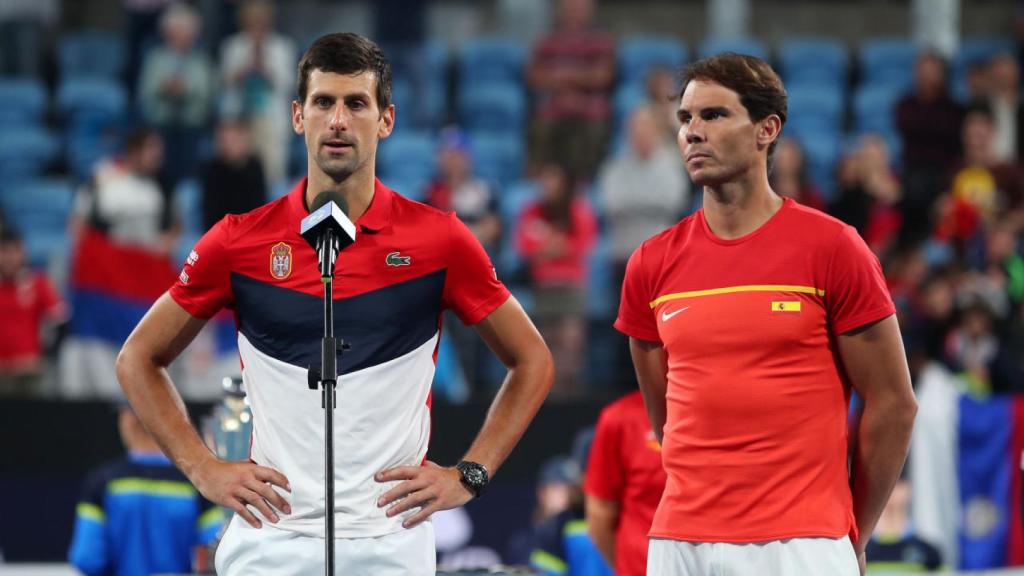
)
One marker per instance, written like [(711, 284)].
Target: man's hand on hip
[(430, 486), (238, 485)]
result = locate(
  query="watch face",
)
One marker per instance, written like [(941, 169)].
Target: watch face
[(474, 475)]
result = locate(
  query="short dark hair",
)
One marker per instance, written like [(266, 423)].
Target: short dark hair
[(137, 137), (760, 89), (346, 53)]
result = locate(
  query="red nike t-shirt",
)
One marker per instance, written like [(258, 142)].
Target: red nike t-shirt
[(625, 467), (755, 439)]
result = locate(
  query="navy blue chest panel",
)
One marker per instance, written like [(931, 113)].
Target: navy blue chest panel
[(380, 325)]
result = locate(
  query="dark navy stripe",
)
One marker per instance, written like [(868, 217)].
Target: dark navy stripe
[(381, 325), (99, 316)]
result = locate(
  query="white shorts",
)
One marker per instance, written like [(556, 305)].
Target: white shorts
[(796, 556), (270, 551)]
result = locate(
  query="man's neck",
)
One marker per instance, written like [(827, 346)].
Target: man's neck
[(357, 190), (735, 209)]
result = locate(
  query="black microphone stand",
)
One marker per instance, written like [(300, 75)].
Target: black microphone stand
[(326, 378)]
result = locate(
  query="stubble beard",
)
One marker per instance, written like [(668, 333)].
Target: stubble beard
[(337, 169)]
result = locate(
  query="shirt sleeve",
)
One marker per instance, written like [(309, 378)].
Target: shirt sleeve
[(88, 551), (604, 476), (471, 287), (855, 289), (203, 287), (635, 317)]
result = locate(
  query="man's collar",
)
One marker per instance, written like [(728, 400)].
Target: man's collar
[(375, 219)]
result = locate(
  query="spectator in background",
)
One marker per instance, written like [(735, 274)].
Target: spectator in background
[(644, 190), (258, 75), (125, 200), (868, 195), (140, 515), (571, 74), (176, 90), (980, 187), (662, 89), (1004, 97), (142, 24), (232, 181), (457, 189), (474, 201), (624, 482), (558, 479), (972, 344), (928, 121), (789, 177), (562, 545), (893, 546), (555, 236), (29, 306)]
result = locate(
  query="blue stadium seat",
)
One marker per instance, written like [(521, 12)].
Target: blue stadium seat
[(407, 155), (874, 108), (188, 204), (89, 139), (91, 55), (414, 187), (39, 209), (815, 107), (601, 299), (492, 58), (509, 264), (750, 46), (495, 108), (26, 152), (92, 97), (814, 61), (638, 55), (822, 150), (888, 61), (23, 102), (498, 157)]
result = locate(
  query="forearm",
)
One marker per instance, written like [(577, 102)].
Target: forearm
[(161, 410), (513, 408), (602, 532), (881, 444)]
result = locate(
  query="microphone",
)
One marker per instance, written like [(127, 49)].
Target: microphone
[(328, 229)]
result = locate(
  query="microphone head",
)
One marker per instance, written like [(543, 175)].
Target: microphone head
[(329, 196), (328, 212)]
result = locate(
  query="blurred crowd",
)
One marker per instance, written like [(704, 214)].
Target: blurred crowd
[(560, 177)]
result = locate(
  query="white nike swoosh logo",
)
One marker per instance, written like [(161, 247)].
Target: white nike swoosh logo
[(665, 316)]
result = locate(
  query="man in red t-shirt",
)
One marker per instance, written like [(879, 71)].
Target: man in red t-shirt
[(27, 300), (624, 481), (749, 323)]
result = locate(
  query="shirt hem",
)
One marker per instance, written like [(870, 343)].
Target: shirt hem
[(732, 539), (865, 318)]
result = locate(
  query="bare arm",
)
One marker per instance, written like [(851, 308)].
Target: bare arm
[(877, 366), (513, 338), (651, 364), (164, 332), (602, 518)]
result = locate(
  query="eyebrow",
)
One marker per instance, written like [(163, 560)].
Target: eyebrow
[(683, 112)]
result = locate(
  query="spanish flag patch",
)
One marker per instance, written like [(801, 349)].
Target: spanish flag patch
[(785, 306)]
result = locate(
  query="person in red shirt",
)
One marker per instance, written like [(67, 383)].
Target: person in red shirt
[(750, 323), (623, 484), (27, 301), (555, 236)]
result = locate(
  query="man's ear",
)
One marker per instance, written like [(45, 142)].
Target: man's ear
[(387, 122), (769, 130), (297, 117)]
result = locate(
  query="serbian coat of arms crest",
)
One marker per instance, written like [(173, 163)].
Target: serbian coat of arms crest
[(281, 261)]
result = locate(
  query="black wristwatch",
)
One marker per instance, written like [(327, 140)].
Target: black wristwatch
[(474, 476)]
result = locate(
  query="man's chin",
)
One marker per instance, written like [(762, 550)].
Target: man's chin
[(336, 171)]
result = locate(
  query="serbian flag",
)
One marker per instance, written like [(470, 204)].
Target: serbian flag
[(111, 287)]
